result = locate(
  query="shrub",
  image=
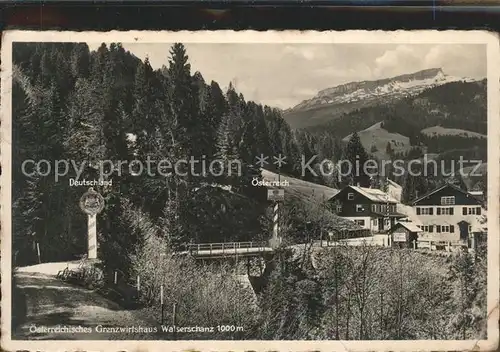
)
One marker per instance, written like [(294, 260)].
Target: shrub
[(205, 295)]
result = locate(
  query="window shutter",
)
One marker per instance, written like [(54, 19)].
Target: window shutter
[(438, 211), (451, 211), (431, 211), (431, 228), (418, 211), (452, 228), (478, 210), (438, 228), (464, 211)]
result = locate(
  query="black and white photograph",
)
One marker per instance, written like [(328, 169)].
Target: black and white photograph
[(189, 189)]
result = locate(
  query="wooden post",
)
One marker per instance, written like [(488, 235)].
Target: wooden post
[(116, 277), (138, 283), (92, 236), (174, 319), (38, 253), (414, 244), (161, 304)]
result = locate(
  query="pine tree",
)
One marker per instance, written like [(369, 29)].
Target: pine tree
[(389, 151), (408, 192), (356, 155)]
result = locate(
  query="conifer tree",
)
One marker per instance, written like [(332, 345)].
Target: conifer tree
[(356, 155)]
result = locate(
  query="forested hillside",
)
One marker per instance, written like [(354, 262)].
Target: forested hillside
[(73, 104), (460, 105)]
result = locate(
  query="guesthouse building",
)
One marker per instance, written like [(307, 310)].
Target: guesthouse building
[(449, 213), (370, 208)]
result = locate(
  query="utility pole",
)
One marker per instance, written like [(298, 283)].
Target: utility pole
[(174, 319)]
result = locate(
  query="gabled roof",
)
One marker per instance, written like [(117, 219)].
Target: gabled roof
[(438, 189), (394, 184), (409, 226), (374, 194)]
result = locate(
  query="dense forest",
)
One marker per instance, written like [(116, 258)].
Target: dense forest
[(73, 104), (70, 103)]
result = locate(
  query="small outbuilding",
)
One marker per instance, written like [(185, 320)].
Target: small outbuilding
[(403, 234)]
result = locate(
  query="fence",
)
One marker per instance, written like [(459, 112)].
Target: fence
[(348, 234), (228, 247), (360, 241), (383, 241), (448, 246)]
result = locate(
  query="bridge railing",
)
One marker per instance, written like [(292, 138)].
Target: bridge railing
[(227, 247)]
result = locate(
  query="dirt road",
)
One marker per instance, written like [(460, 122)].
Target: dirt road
[(51, 306)]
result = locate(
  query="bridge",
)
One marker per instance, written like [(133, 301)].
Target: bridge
[(229, 249)]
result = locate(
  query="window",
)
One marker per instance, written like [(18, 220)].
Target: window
[(374, 207), (360, 222), (464, 211), (448, 228), (438, 228), (431, 229), (444, 211), (425, 211), (470, 229), (448, 200), (474, 211), (339, 208), (350, 196), (359, 208), (375, 222)]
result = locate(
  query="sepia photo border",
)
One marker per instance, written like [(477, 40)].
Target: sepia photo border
[(491, 41)]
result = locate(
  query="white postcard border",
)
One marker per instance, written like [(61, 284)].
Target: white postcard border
[(296, 37)]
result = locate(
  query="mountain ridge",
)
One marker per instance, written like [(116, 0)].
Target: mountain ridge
[(330, 103)]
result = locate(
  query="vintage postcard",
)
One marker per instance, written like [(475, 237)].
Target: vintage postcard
[(227, 191)]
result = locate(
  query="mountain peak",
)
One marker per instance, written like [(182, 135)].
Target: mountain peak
[(371, 85), (331, 102)]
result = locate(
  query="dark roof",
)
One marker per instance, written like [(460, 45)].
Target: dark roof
[(392, 214), (373, 194), (438, 189)]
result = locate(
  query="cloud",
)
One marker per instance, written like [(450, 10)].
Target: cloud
[(282, 75), (456, 60), (397, 61)]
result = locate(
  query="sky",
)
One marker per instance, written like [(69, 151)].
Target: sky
[(283, 75)]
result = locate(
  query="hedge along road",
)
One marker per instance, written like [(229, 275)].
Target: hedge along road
[(42, 301)]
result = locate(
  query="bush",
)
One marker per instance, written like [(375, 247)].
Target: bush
[(205, 295)]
